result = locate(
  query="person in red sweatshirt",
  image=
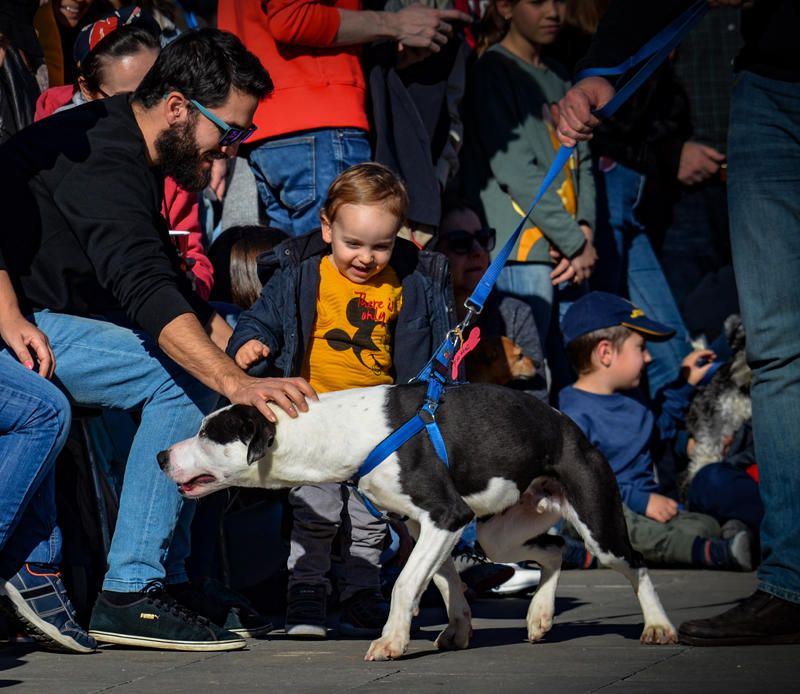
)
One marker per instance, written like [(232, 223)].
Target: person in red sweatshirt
[(315, 123)]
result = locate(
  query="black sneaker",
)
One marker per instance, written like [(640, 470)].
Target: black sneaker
[(223, 606), (36, 596), (364, 614), (306, 611), (478, 573), (154, 619)]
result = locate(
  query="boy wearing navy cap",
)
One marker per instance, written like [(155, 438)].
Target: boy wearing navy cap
[(606, 338)]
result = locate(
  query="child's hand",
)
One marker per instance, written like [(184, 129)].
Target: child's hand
[(696, 365), (661, 508), (250, 353)]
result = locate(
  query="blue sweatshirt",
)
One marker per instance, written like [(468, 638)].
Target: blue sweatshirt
[(624, 429)]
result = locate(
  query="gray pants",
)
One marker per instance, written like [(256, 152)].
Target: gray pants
[(318, 514), (671, 542)]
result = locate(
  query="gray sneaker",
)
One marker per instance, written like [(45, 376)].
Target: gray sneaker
[(36, 596)]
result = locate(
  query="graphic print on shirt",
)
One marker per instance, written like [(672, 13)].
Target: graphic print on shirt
[(365, 316)]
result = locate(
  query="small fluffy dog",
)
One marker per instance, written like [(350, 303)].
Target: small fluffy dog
[(514, 462), (723, 406), (497, 359)]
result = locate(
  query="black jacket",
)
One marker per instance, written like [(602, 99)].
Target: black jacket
[(769, 30), (283, 316), (82, 230)]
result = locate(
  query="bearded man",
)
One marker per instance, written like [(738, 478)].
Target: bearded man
[(89, 278)]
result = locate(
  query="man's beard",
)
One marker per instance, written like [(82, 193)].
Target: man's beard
[(179, 157)]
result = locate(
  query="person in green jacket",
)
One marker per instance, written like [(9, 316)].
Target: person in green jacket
[(509, 145)]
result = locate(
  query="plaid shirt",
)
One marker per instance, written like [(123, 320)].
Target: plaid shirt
[(704, 66)]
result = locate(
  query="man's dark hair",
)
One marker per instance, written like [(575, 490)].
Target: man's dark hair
[(204, 65)]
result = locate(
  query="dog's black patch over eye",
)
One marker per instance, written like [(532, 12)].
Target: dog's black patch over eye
[(241, 423)]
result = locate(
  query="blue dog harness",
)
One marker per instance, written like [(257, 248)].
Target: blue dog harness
[(437, 371)]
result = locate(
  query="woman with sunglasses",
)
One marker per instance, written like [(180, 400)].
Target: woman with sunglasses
[(112, 56), (467, 244)]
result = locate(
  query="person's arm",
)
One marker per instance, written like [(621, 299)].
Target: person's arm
[(263, 321), (311, 23), (513, 157), (185, 342), (23, 338)]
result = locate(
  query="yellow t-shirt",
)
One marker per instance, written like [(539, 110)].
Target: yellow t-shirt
[(351, 339)]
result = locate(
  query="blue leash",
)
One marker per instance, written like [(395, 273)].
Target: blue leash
[(436, 371)]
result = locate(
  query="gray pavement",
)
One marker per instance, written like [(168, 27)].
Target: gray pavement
[(593, 647)]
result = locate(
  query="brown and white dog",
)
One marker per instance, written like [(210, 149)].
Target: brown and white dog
[(498, 359), (515, 463)]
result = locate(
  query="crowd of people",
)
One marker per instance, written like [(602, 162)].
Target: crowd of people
[(256, 203)]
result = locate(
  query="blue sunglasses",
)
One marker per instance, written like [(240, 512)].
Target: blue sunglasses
[(230, 134)]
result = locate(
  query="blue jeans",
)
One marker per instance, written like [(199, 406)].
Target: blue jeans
[(629, 267), (764, 206), (34, 425), (293, 173), (102, 364)]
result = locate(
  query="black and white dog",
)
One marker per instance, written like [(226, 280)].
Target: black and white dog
[(515, 463)]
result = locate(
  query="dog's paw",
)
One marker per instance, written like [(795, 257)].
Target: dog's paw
[(386, 648), (538, 626), (659, 634), (455, 637)]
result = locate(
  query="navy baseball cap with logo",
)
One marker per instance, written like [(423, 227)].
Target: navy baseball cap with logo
[(597, 310)]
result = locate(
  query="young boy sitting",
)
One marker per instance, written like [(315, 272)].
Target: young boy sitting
[(353, 306), (606, 342)]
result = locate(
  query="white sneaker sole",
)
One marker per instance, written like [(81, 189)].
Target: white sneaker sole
[(38, 629), (161, 644), (307, 631)]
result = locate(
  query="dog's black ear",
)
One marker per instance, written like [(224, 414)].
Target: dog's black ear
[(254, 430), (258, 433)]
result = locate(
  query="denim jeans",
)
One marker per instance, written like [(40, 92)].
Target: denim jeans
[(293, 173), (764, 206), (102, 364), (34, 424), (629, 267)]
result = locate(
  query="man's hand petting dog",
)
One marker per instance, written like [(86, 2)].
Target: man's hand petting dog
[(287, 393), (661, 508), (696, 365)]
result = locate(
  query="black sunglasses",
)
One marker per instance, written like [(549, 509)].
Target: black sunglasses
[(460, 241)]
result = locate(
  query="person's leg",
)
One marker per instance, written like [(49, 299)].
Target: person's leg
[(726, 492), (34, 424), (361, 553), (293, 173), (764, 200), (106, 365), (317, 511), (639, 274)]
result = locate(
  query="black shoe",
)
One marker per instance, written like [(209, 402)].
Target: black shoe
[(478, 573), (223, 606), (364, 614), (760, 619), (154, 619), (306, 611)]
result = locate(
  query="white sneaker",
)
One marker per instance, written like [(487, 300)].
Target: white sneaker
[(524, 579)]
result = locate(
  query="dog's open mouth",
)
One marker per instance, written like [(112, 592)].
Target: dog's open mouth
[(190, 485)]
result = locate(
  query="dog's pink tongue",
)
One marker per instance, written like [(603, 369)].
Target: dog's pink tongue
[(192, 483)]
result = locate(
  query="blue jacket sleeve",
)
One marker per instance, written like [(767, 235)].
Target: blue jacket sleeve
[(262, 321), (673, 405)]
